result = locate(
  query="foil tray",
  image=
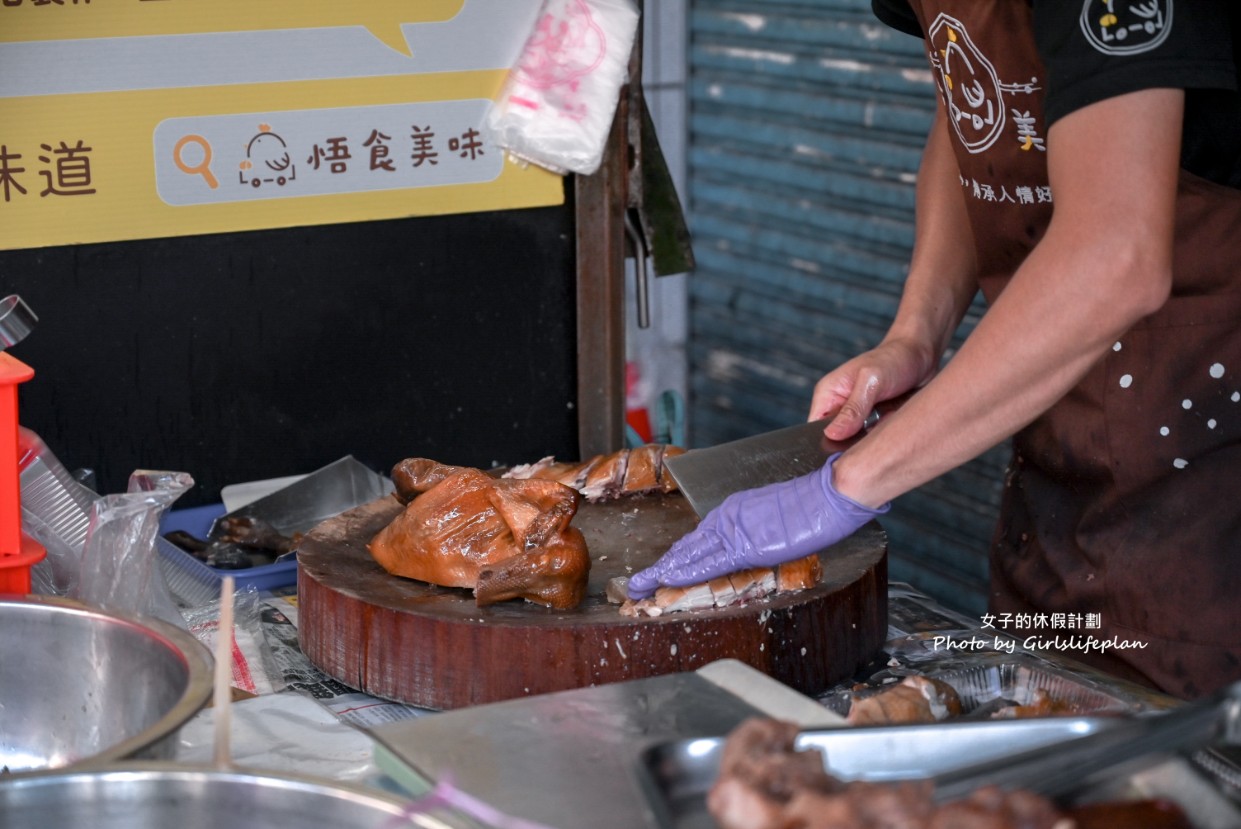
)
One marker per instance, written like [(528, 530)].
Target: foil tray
[(1020, 681), (983, 678), (675, 776)]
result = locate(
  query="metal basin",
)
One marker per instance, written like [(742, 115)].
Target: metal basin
[(79, 684), (161, 795)]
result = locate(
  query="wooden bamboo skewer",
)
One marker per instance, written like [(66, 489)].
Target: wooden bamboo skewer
[(223, 674)]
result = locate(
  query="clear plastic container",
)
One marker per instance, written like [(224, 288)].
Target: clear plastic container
[(50, 493), (56, 512)]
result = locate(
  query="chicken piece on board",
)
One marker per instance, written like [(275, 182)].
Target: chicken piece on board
[(723, 591), (549, 469), (642, 469), (502, 538), (605, 477), (799, 574)]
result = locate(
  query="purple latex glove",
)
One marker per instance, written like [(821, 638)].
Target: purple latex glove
[(759, 527)]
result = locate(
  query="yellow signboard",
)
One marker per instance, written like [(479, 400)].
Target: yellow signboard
[(29, 20), (125, 119)]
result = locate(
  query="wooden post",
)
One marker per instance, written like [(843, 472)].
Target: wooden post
[(601, 200)]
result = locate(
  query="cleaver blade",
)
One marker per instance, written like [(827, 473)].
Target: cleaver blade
[(707, 476)]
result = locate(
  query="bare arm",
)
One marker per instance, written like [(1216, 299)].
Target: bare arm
[(940, 285), (1104, 263), (943, 273)]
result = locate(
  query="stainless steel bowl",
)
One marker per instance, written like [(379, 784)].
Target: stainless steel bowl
[(161, 795), (80, 684)]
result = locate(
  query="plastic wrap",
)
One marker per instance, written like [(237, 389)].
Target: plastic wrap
[(285, 733), (560, 99), (250, 659), (120, 566)]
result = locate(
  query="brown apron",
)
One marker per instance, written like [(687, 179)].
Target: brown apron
[(1120, 528)]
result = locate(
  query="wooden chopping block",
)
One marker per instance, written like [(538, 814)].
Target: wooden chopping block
[(432, 647)]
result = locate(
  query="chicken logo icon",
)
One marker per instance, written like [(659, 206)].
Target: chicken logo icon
[(267, 160)]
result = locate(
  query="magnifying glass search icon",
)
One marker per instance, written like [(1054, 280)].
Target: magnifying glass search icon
[(203, 167)]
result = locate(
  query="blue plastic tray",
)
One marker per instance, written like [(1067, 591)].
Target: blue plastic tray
[(190, 574)]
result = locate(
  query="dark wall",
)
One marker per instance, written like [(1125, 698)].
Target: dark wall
[(244, 356)]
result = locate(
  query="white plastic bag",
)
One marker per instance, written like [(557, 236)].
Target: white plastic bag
[(120, 567), (250, 659), (559, 100)]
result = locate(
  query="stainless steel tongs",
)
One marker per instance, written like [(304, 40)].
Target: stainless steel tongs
[(1063, 768)]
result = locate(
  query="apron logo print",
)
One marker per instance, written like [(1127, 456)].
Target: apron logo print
[(1126, 27), (968, 81)]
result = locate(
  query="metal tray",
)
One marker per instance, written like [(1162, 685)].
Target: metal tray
[(296, 508), (675, 776)]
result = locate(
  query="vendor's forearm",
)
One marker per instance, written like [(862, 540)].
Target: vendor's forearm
[(1104, 263), (995, 385), (942, 277)]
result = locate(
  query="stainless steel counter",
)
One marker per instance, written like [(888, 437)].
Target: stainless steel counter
[(552, 758)]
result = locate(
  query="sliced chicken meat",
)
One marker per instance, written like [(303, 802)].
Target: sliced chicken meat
[(604, 477), (724, 591)]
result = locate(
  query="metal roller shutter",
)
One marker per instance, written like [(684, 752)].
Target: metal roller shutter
[(806, 125)]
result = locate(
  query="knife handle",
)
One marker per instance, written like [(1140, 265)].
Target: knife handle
[(886, 408)]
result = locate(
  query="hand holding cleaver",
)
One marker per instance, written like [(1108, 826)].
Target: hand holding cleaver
[(707, 476)]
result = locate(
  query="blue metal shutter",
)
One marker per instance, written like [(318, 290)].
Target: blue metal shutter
[(806, 126)]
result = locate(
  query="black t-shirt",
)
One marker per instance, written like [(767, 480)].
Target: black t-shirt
[(1095, 50)]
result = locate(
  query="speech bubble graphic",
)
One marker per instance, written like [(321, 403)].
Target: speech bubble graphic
[(25, 21)]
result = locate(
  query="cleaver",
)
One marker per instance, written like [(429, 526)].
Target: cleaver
[(707, 476)]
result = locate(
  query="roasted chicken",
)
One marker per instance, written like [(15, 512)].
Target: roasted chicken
[(502, 538)]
